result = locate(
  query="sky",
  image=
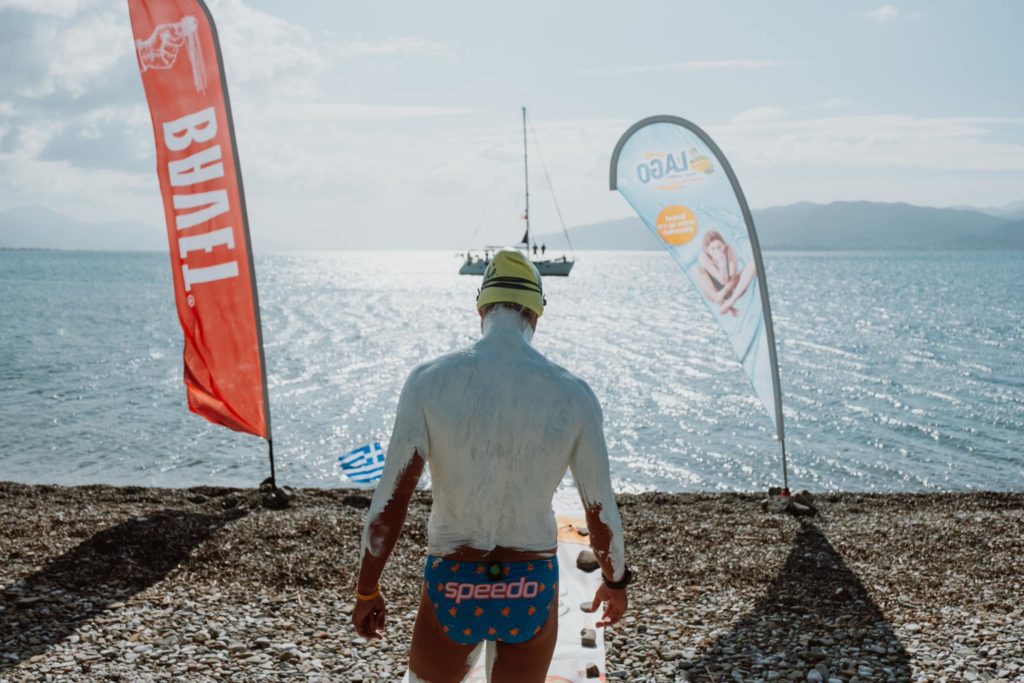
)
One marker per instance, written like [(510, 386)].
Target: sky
[(397, 124)]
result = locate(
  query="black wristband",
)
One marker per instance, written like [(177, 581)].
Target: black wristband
[(627, 578)]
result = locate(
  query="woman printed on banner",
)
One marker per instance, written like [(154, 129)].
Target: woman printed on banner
[(720, 276)]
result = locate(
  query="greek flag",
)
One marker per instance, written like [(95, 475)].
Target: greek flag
[(363, 465)]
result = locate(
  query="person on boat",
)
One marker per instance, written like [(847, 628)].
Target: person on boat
[(535, 250), (499, 424), (543, 248), (719, 275)]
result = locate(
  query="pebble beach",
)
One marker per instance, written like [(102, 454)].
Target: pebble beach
[(105, 583)]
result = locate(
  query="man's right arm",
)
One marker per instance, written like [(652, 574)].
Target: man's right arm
[(407, 454)]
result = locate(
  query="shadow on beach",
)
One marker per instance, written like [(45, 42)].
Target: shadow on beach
[(48, 606), (816, 615)]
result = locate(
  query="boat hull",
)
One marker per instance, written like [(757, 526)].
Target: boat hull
[(556, 268), (474, 268)]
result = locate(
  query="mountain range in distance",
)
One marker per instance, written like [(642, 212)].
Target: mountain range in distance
[(36, 227), (847, 226), (860, 226)]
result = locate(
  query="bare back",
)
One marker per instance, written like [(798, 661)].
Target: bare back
[(502, 421)]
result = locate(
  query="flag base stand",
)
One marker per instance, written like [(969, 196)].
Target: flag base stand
[(799, 504), (273, 497)]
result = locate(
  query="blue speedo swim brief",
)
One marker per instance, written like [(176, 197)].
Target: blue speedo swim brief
[(506, 601)]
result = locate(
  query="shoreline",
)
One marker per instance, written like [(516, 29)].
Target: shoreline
[(135, 583)]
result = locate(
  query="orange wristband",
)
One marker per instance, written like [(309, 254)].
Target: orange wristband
[(366, 598)]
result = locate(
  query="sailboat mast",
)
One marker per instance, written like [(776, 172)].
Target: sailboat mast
[(526, 173)]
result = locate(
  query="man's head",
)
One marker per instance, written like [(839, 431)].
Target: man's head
[(511, 279)]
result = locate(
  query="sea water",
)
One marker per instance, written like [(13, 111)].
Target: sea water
[(900, 372)]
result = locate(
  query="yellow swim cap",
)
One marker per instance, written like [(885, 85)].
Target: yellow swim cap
[(511, 278)]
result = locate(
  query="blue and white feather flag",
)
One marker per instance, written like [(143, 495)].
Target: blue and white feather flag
[(364, 465)]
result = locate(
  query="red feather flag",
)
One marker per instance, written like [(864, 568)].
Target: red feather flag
[(201, 182)]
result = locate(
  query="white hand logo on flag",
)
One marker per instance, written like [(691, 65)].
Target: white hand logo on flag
[(160, 50)]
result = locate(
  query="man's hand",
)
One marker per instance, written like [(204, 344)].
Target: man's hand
[(617, 601), (368, 617)]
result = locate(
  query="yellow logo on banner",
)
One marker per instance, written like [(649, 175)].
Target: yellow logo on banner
[(672, 170), (700, 164), (677, 225)]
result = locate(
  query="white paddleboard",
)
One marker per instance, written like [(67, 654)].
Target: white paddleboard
[(570, 661)]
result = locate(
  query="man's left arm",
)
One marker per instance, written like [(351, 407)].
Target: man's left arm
[(590, 470)]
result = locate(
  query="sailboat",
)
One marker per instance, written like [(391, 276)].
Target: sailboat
[(476, 264)]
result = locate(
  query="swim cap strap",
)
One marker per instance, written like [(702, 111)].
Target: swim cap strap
[(510, 282)]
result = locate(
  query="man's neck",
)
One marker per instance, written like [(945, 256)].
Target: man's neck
[(504, 322)]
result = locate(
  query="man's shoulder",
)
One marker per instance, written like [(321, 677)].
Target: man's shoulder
[(575, 388), (435, 372), (586, 395), (436, 368), (560, 373)]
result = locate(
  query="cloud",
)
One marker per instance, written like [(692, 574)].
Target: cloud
[(883, 13), (77, 191), (56, 8), (765, 113), (327, 111), (396, 46), (759, 114), (938, 144), (832, 103), (265, 48), (79, 54), (697, 65), (62, 57), (73, 93), (116, 138), (260, 47)]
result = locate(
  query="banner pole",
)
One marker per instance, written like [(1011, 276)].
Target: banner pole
[(273, 477), (785, 470)]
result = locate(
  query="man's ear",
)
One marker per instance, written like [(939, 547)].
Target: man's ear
[(531, 318)]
